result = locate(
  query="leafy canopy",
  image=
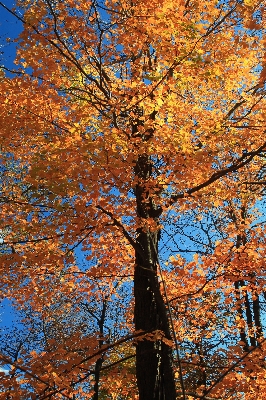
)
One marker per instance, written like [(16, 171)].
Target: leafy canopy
[(126, 120)]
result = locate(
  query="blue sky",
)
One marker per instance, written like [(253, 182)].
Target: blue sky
[(10, 27)]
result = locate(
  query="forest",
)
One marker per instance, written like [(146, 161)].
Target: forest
[(132, 200)]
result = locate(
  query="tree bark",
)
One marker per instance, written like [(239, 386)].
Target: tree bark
[(249, 318), (243, 336), (99, 362), (257, 319), (154, 369)]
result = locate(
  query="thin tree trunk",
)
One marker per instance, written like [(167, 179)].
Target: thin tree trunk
[(249, 318), (256, 313), (99, 362), (243, 336), (241, 240)]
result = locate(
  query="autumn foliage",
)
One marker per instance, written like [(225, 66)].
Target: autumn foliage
[(132, 200)]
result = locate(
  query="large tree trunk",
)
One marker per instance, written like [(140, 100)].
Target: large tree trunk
[(154, 367)]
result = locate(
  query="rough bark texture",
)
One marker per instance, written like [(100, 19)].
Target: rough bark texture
[(154, 368)]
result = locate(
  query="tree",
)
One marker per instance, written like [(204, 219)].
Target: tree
[(130, 122)]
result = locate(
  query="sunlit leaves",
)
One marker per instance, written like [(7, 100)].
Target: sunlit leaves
[(101, 86)]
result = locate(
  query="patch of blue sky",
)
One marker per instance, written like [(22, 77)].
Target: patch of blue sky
[(7, 314), (10, 28)]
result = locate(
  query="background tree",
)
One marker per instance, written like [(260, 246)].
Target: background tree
[(131, 121)]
